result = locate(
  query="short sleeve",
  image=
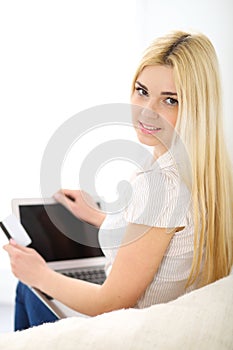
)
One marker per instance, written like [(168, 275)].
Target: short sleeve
[(159, 199)]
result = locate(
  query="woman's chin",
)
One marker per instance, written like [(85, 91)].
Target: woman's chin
[(147, 139)]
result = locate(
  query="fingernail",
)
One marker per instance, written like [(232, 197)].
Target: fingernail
[(12, 241)]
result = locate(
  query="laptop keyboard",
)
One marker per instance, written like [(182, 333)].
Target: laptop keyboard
[(97, 276)]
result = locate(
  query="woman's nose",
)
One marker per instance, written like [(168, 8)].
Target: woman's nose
[(149, 110), (151, 105)]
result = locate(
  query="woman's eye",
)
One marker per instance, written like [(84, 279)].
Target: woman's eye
[(141, 91), (171, 101)]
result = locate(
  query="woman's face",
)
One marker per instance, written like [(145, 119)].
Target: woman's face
[(155, 106)]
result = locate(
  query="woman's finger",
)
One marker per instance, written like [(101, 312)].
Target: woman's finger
[(12, 245), (65, 200)]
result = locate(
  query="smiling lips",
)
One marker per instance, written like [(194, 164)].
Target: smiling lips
[(148, 129)]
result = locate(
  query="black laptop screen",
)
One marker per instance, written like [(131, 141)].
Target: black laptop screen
[(57, 234)]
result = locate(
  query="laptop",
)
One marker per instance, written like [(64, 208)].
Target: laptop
[(68, 245)]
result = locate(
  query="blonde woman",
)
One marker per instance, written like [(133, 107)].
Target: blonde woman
[(178, 231)]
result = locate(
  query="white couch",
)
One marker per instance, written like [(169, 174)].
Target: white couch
[(201, 320)]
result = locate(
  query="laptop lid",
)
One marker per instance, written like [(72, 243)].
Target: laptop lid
[(62, 239)]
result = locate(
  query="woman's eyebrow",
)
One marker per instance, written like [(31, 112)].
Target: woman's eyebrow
[(168, 93), (141, 85), (171, 93), (163, 93)]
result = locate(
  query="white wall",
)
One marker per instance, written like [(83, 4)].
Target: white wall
[(57, 58), (60, 57)]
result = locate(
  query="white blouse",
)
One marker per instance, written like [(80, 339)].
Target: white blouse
[(158, 198)]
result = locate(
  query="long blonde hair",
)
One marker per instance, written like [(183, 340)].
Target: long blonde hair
[(199, 126)]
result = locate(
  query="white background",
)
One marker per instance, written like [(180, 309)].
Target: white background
[(60, 57)]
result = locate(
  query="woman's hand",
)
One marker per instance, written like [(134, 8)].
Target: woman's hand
[(26, 264), (82, 205)]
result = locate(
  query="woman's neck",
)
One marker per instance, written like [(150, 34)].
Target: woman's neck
[(159, 151)]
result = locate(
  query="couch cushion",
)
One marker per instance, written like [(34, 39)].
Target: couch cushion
[(202, 319)]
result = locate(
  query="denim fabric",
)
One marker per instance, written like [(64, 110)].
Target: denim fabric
[(29, 309)]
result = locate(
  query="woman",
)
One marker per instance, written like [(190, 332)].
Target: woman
[(171, 244)]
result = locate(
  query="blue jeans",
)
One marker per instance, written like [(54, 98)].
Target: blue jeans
[(29, 309)]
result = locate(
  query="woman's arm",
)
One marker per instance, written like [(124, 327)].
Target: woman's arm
[(134, 268)]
